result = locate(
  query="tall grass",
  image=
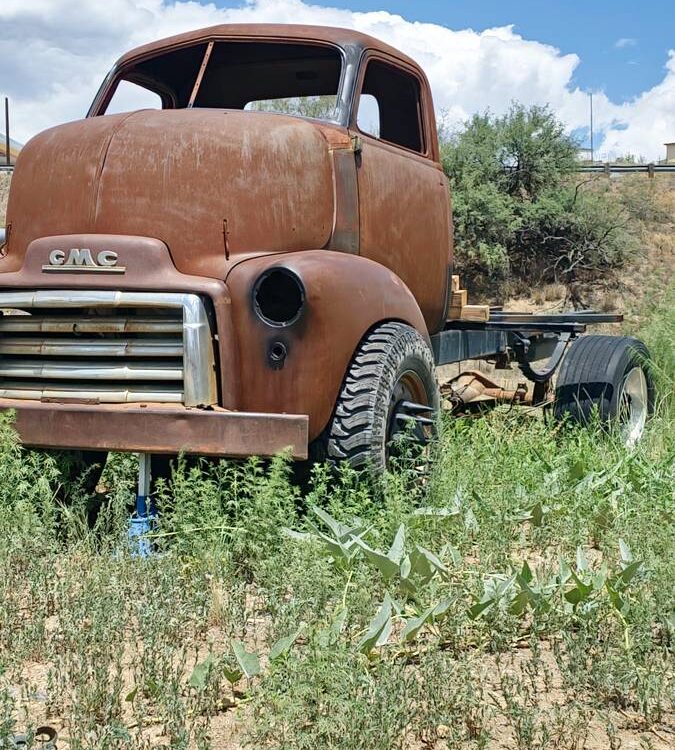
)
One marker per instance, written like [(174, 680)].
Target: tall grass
[(257, 621)]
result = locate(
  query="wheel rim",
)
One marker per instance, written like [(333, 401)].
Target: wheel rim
[(633, 406), (409, 388)]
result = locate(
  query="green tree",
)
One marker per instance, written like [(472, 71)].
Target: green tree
[(319, 107), (520, 215)]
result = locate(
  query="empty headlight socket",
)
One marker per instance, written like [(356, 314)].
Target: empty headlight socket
[(278, 300), (278, 297)]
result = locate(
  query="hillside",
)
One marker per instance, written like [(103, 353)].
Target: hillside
[(635, 288), (5, 179)]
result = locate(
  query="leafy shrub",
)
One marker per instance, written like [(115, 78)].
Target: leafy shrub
[(26, 493), (519, 216)]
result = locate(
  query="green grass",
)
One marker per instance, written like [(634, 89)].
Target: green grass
[(528, 602)]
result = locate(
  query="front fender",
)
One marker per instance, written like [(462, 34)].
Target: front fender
[(346, 295)]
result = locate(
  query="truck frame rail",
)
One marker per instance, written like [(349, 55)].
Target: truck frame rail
[(523, 337)]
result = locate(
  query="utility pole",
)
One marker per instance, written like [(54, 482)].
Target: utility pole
[(7, 154), (592, 151)]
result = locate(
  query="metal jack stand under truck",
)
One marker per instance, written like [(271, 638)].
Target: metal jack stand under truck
[(142, 521)]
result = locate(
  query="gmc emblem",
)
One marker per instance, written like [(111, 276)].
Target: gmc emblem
[(83, 260)]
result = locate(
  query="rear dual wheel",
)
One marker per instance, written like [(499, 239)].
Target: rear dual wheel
[(607, 376)]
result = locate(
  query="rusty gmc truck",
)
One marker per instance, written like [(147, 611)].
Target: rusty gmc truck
[(203, 265)]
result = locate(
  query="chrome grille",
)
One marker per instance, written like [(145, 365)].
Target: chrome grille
[(106, 347)]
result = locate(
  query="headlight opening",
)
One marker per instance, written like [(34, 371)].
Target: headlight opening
[(279, 297)]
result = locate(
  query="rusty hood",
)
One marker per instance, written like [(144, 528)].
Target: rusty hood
[(214, 185)]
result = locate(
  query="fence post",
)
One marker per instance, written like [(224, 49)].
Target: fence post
[(7, 151)]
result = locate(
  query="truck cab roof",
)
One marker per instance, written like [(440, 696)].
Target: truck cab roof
[(339, 37)]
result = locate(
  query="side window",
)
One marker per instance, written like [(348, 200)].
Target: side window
[(130, 96), (389, 106)]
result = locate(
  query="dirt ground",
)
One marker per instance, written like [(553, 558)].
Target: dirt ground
[(546, 697)]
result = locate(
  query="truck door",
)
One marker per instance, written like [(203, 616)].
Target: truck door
[(403, 194)]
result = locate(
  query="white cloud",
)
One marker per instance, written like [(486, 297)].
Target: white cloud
[(53, 58), (625, 42), (646, 123)]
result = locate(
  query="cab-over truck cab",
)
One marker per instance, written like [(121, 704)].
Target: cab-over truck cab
[(198, 274)]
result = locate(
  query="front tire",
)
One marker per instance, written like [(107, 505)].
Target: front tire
[(390, 383), (610, 375)]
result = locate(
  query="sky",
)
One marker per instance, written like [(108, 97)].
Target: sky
[(622, 45), (478, 55)]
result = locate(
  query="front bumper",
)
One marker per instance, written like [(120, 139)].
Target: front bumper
[(158, 429)]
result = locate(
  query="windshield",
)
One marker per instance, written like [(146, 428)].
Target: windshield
[(299, 79)]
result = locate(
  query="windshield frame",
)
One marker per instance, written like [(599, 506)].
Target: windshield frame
[(350, 55)]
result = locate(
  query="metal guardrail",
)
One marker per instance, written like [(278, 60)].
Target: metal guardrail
[(6, 168), (650, 169)]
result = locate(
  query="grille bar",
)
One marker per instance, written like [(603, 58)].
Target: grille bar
[(59, 370), (130, 395), (25, 323), (168, 347)]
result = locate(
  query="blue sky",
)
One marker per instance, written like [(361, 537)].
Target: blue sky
[(623, 44)]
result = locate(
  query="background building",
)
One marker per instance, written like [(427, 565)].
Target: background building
[(585, 155)]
